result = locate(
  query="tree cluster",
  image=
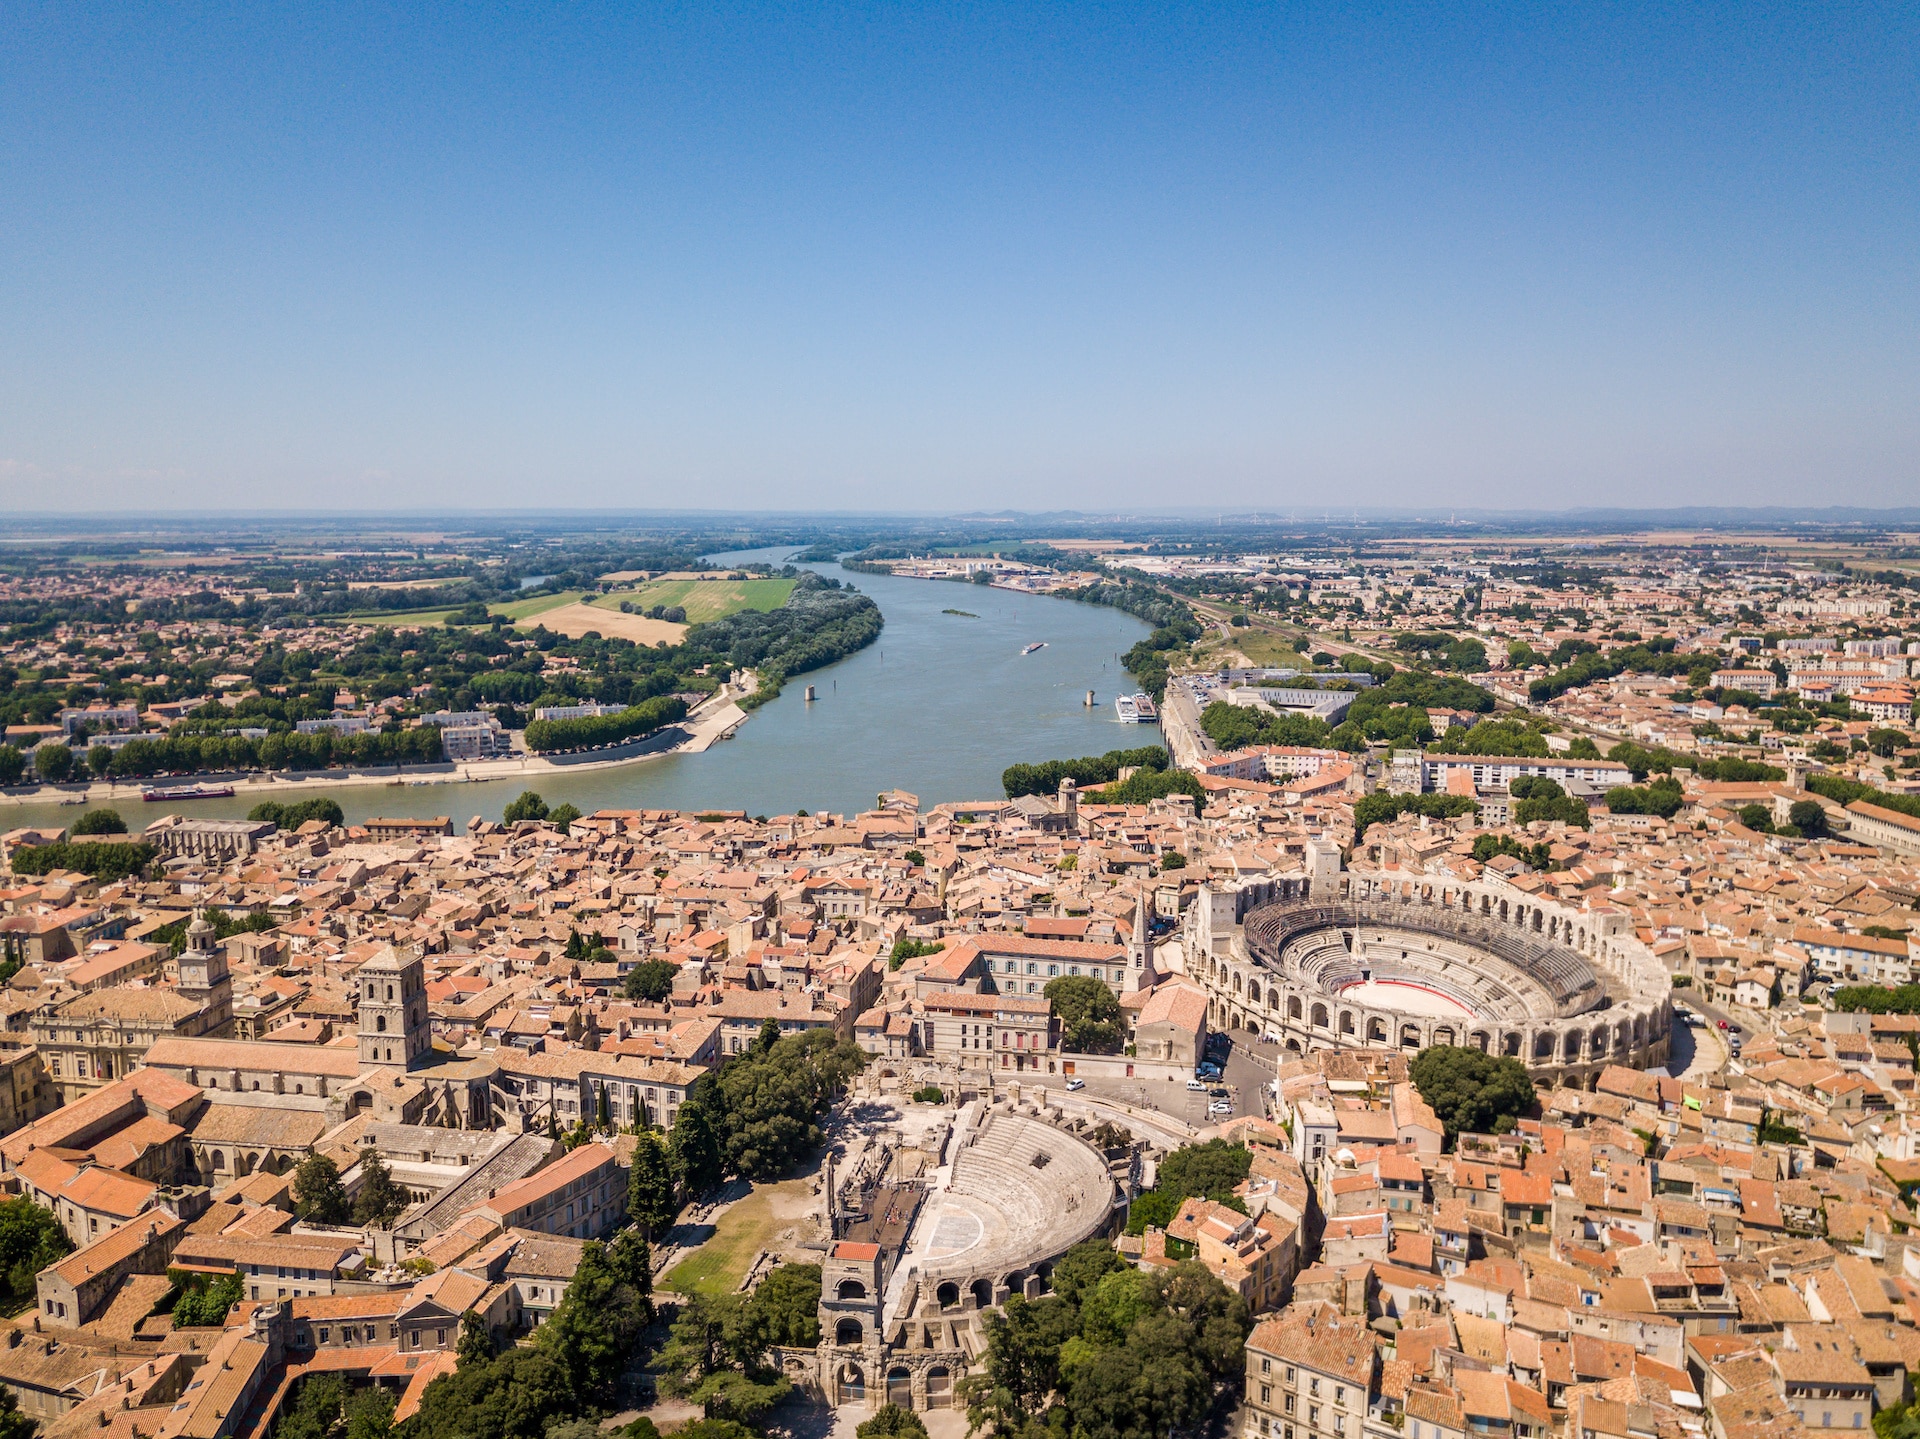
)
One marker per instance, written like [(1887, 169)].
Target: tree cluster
[(1663, 798), (1470, 1091), (717, 1351), (1204, 1171), (1539, 798), (30, 1239), (1112, 1352), (174, 935), (1090, 1018), (572, 1367), (1452, 652), (1538, 856), (99, 821), (205, 1302), (651, 980), (820, 623), (326, 1408), (1144, 786), (292, 816), (759, 1115), (1379, 808)]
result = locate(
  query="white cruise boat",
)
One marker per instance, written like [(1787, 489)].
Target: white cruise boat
[(1127, 707)]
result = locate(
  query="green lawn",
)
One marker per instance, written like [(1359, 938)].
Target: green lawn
[(703, 600), (1269, 650), (719, 1265)]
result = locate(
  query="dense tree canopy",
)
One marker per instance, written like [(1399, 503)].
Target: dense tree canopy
[(1472, 1092), (1209, 1170), (1088, 771), (379, 1201), (318, 1195), (650, 980), (1091, 1021), (1128, 1356), (759, 1115), (30, 1239)]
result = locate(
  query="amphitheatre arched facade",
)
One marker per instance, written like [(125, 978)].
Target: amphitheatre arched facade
[(1014, 1192), (1403, 962)]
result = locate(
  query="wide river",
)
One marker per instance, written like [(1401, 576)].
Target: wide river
[(938, 705)]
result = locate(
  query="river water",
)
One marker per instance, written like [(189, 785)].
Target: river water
[(938, 705)]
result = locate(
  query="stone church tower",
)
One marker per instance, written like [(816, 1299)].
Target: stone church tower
[(203, 977), (392, 994)]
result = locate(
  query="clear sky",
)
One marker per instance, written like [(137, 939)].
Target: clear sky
[(937, 258)]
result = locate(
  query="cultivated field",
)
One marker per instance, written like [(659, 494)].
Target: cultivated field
[(516, 611), (703, 600), (574, 620)]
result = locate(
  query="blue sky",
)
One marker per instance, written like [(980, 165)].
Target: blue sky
[(927, 258)]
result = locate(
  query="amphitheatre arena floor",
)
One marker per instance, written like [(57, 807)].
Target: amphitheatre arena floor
[(1407, 997)]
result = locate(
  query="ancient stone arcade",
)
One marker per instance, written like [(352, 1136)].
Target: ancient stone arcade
[(901, 1305)]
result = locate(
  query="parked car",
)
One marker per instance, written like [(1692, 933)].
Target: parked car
[(1723, 1024), (1220, 1106), (1197, 1086), (1076, 1084)]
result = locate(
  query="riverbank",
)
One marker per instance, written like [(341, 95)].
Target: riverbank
[(714, 720), (939, 703)]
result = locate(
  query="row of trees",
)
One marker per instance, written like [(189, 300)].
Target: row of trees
[(1643, 760), (100, 859), (1088, 771), (592, 731), (1845, 791), (193, 754)]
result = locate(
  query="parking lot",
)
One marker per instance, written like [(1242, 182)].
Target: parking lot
[(1240, 1085)]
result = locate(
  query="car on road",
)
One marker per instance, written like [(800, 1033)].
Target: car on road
[(1220, 1106), (1076, 1084), (1723, 1024), (1196, 1085)]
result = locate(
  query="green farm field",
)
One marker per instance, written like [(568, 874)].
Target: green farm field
[(703, 600)]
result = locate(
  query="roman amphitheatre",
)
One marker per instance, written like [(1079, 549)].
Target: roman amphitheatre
[(917, 1261), (1387, 961)]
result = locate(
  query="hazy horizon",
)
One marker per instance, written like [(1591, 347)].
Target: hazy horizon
[(749, 260)]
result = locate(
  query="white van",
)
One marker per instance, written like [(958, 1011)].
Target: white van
[(1198, 1085)]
